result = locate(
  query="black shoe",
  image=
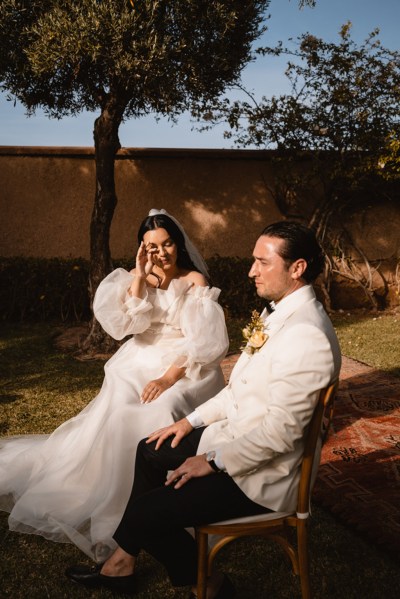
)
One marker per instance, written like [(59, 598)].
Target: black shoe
[(226, 590), (90, 576)]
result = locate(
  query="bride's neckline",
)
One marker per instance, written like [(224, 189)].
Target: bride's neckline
[(180, 282), (160, 281)]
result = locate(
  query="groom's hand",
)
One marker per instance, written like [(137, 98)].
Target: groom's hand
[(194, 467), (179, 430)]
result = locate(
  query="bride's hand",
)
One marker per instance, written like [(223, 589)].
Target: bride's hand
[(144, 261), (153, 389)]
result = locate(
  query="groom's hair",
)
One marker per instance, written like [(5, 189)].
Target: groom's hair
[(300, 242)]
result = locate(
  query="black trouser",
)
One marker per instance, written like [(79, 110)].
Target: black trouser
[(156, 516)]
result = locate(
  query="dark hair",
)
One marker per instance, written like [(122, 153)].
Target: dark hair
[(162, 221), (300, 242)]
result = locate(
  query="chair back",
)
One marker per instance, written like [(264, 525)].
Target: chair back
[(317, 430), (274, 524)]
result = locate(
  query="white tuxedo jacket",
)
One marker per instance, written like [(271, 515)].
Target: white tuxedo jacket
[(258, 420)]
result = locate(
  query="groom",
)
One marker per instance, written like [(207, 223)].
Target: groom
[(239, 453)]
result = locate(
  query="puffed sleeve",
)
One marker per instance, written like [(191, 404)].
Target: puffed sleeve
[(118, 313), (203, 326)]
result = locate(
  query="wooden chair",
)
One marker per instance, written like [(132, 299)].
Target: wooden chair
[(275, 525)]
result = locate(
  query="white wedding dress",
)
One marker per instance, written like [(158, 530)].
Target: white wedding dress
[(73, 485)]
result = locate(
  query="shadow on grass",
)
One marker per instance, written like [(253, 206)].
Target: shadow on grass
[(28, 356), (40, 386), (343, 565)]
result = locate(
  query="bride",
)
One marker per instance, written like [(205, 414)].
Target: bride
[(73, 485)]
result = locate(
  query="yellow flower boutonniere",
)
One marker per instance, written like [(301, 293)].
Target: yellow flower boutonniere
[(254, 334)]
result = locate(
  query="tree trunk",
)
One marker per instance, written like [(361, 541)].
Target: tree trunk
[(106, 146)]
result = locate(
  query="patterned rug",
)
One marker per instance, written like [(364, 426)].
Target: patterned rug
[(359, 475)]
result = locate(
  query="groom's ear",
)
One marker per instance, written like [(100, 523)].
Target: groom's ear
[(298, 268)]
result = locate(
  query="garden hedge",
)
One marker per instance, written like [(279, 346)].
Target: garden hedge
[(40, 289)]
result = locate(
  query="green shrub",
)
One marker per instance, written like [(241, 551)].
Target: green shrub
[(37, 289), (41, 289), (238, 296)]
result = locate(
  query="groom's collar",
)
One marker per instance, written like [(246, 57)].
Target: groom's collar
[(290, 302)]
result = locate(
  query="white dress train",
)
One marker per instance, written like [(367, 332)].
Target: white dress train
[(73, 485)]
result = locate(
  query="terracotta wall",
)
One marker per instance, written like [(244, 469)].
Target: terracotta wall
[(46, 198), (220, 196)]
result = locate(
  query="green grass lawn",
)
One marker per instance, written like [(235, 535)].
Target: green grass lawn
[(371, 338), (41, 387)]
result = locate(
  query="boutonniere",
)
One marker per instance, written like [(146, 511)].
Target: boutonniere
[(254, 334)]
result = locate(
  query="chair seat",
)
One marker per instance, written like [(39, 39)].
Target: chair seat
[(256, 518)]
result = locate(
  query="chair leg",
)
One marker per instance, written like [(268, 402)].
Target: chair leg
[(202, 564), (304, 569)]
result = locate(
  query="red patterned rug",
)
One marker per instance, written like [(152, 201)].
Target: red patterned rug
[(359, 475)]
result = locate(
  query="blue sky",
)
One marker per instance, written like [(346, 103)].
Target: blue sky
[(263, 77)]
